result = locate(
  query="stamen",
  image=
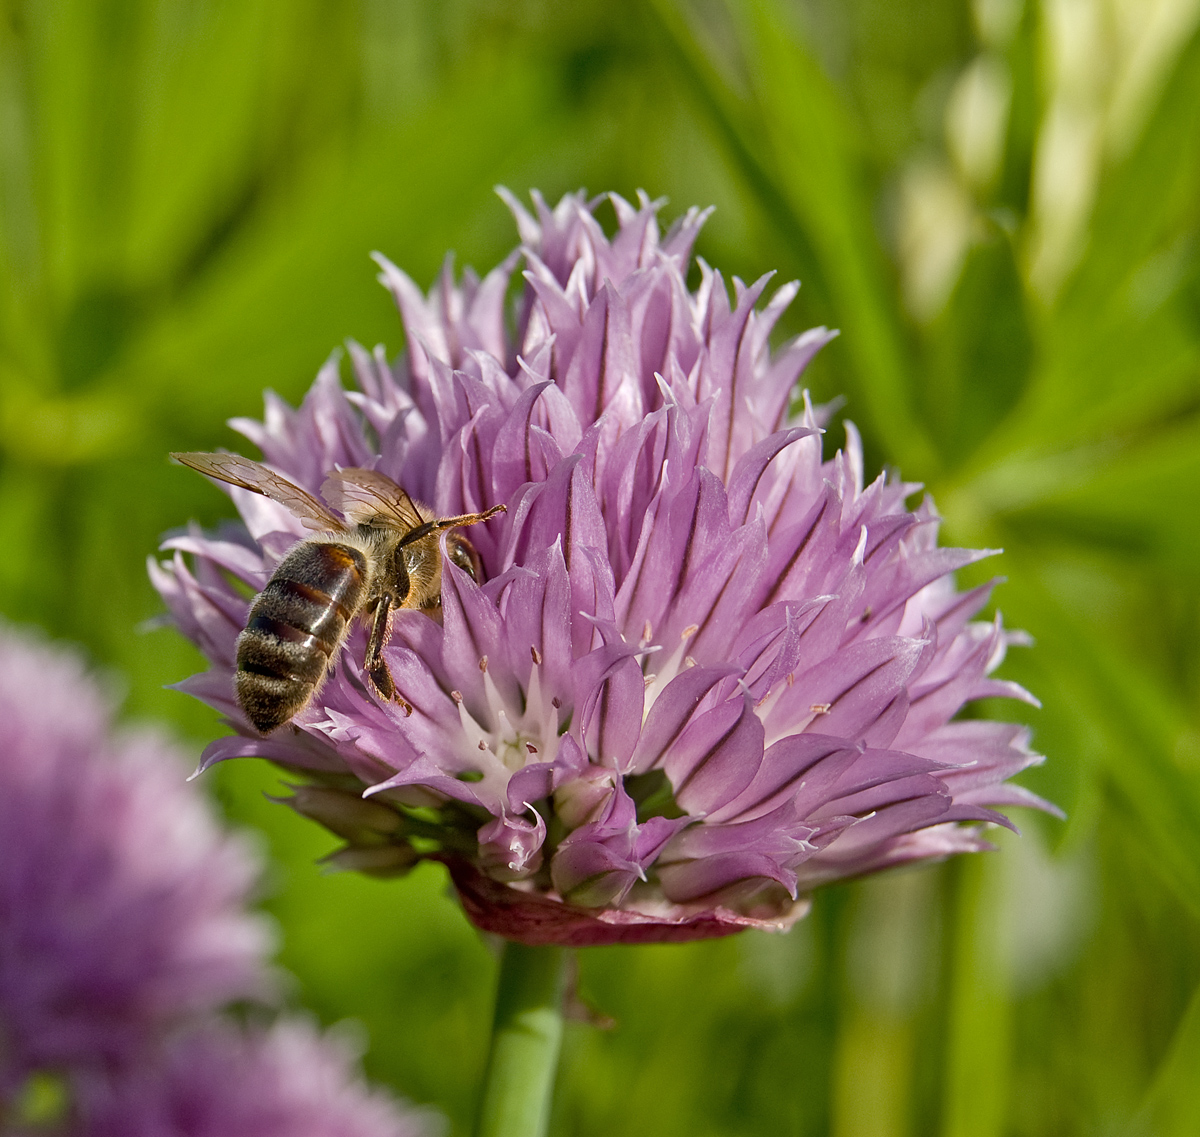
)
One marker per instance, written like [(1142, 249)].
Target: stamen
[(531, 748), (689, 631), (506, 730), (471, 728), (765, 706), (537, 655), (820, 708), (540, 719), (667, 670), (535, 704), (495, 700), (647, 632), (456, 696), (483, 665)]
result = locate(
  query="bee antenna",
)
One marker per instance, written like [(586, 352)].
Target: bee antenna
[(468, 518), (443, 523)]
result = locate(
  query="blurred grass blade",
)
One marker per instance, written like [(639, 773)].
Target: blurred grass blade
[(300, 281), (1121, 345), (1133, 725), (810, 181), (1126, 501), (981, 350), (1172, 1105), (732, 122)]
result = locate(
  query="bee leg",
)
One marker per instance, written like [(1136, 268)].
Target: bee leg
[(373, 663)]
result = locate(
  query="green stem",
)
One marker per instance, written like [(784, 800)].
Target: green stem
[(526, 1034)]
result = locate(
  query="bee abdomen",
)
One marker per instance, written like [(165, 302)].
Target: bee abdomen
[(295, 626)]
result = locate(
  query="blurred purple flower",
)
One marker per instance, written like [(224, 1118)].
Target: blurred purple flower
[(121, 900), (707, 671), (219, 1081)]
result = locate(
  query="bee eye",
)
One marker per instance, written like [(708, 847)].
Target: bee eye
[(464, 556)]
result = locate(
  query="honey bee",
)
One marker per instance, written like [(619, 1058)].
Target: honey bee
[(385, 555)]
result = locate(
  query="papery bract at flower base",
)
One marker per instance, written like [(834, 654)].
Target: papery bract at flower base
[(122, 903), (706, 670)]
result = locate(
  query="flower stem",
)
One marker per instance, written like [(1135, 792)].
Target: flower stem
[(526, 1034)]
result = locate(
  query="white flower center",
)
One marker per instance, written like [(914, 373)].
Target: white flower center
[(516, 739)]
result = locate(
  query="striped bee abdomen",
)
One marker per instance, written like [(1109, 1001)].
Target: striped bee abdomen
[(294, 628)]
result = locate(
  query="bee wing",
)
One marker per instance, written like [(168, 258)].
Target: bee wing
[(238, 471), (368, 496)]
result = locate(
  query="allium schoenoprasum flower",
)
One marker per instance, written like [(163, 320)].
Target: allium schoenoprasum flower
[(218, 1080), (122, 902), (707, 669)]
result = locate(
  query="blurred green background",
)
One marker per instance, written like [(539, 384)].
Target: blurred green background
[(998, 203)]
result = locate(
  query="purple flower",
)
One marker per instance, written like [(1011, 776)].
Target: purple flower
[(121, 901), (705, 669), (219, 1081)]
